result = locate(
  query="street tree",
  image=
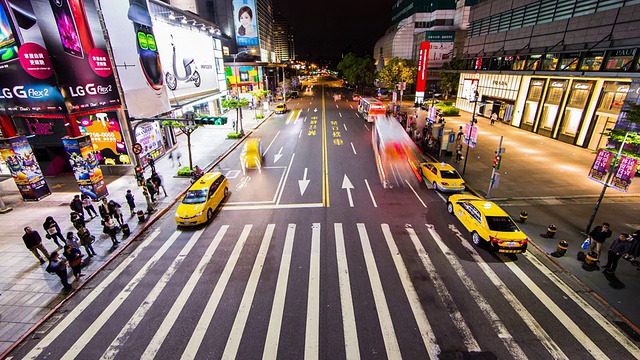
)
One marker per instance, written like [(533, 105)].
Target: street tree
[(187, 129), (398, 70), (616, 136), (359, 71), (236, 104), (450, 75), (259, 95)]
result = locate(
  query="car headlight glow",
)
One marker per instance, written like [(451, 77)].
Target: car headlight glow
[(200, 213)]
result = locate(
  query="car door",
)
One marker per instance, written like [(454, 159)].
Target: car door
[(213, 198), (475, 220)]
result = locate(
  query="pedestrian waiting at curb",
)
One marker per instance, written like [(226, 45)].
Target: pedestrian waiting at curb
[(598, 236), (76, 220), (59, 267), (620, 246), (634, 247), (131, 201), (33, 242), (74, 257), (72, 239), (157, 181), (151, 188), (87, 240), (111, 229), (103, 209), (115, 211), (52, 231), (77, 205), (87, 203)]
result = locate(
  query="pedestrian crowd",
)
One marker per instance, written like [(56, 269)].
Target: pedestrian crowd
[(625, 246)]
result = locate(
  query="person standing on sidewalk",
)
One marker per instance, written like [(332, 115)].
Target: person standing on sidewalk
[(115, 211), (598, 236), (76, 205), (59, 267), (460, 134), (103, 209), (33, 242), (76, 220), (157, 181), (151, 188), (178, 156), (131, 201), (619, 247), (72, 239), (52, 231), (74, 257), (112, 230), (458, 153), (494, 117), (634, 247), (86, 240), (88, 205)]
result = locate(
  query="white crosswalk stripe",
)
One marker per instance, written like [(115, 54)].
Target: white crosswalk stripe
[(401, 253)]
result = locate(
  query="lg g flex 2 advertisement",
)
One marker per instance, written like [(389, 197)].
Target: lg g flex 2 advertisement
[(73, 37), (133, 42), (27, 81)]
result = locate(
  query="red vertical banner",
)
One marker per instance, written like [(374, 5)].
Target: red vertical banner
[(624, 174), (423, 63)]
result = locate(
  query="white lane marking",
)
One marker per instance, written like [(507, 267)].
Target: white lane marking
[(497, 325), (312, 336), (277, 310), (351, 106), (271, 143), (518, 307), (91, 296), (354, 149), (233, 341), (357, 115), (415, 193), (347, 185), (286, 175), (595, 314), (137, 317), (373, 200), (565, 320), (367, 127), (459, 322), (441, 196), (426, 332), (337, 106), (273, 207), (300, 134), (206, 316), (305, 119), (345, 126), (107, 313), (339, 113), (352, 348), (384, 317), (171, 317), (308, 109)]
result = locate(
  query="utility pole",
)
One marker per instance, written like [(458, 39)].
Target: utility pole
[(496, 166)]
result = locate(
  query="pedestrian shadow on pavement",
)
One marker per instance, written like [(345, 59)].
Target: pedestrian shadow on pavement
[(614, 282)]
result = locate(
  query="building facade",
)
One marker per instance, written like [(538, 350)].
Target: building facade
[(283, 39), (561, 69)]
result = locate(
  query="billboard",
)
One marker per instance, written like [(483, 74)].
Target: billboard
[(149, 135), (601, 165), (106, 137), (27, 81), (73, 36), (187, 59), (136, 56), (440, 48), (24, 168), (85, 166), (245, 20)]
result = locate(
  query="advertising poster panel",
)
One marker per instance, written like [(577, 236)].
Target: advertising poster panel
[(136, 56), (187, 59), (73, 36), (423, 63), (106, 137), (624, 174), (24, 168), (245, 18), (472, 140), (601, 165), (441, 47), (27, 81), (85, 166), (149, 135)]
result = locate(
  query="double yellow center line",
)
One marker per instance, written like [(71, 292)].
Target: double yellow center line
[(325, 157)]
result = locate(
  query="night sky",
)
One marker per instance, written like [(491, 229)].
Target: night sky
[(325, 29)]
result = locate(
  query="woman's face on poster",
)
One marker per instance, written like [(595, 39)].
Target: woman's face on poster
[(245, 19)]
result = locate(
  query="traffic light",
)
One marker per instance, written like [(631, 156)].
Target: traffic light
[(496, 161), (139, 176)]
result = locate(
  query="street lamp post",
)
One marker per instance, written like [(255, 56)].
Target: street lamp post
[(473, 121)]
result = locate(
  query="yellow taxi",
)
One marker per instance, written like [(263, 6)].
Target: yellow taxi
[(251, 155), (202, 199), (281, 108), (441, 176), (488, 223)]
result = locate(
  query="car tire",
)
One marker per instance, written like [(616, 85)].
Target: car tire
[(209, 215), (477, 240), (226, 192), (435, 186), (450, 208)]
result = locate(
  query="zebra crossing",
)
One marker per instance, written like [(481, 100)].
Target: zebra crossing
[(366, 259)]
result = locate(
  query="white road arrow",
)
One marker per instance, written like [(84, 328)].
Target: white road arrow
[(315, 110), (303, 183), (277, 156), (346, 184)]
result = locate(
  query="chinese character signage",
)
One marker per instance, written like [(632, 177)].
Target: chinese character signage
[(106, 137), (601, 166), (473, 139), (624, 174), (24, 168), (85, 166), (149, 135), (423, 63)]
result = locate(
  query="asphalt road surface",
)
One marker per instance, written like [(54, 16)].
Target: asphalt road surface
[(310, 257)]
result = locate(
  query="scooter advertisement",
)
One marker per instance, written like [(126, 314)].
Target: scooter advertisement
[(135, 50), (85, 166), (73, 36), (24, 168), (187, 59), (27, 80)]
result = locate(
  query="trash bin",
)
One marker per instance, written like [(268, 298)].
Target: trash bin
[(141, 217)]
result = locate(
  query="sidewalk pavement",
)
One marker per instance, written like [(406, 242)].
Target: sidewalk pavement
[(28, 292)]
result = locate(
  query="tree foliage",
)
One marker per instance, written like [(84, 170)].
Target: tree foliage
[(236, 104), (451, 79), (359, 71), (398, 70), (632, 143), (187, 129)]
